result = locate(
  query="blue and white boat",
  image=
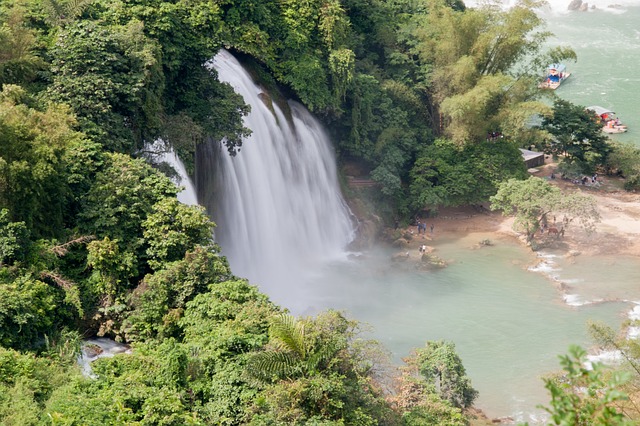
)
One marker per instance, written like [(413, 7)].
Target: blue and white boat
[(554, 76)]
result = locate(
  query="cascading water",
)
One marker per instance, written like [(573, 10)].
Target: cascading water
[(277, 203)]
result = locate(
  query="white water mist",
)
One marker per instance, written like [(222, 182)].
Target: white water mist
[(277, 203)]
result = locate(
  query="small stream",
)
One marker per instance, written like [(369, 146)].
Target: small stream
[(96, 348)]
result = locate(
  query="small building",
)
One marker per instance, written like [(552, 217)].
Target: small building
[(532, 159)]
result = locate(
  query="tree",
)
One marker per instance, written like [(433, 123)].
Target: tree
[(222, 327), (14, 240), (312, 371), (194, 104), (469, 57), (293, 352), (29, 309), (34, 147), (585, 395), (112, 268), (121, 198), (441, 367), (158, 304), (111, 77), (420, 396), (173, 228), (577, 135), (18, 62), (26, 382), (446, 174), (624, 159), (534, 200)]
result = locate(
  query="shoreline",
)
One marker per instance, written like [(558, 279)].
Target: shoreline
[(617, 233)]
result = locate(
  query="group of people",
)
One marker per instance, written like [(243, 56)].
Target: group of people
[(422, 228), (594, 179), (584, 180)]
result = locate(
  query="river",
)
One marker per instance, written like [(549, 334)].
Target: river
[(607, 42)]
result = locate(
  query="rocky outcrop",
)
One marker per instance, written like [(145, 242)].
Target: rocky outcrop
[(578, 5), (575, 5), (429, 261), (400, 257), (367, 233)]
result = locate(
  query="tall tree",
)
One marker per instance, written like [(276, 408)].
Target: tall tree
[(470, 57), (34, 173), (19, 63), (533, 201), (577, 135), (445, 174)]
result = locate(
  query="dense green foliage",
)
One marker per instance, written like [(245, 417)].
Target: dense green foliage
[(624, 160), (587, 394), (577, 136), (94, 242)]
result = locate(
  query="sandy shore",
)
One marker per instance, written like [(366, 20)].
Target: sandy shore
[(617, 233)]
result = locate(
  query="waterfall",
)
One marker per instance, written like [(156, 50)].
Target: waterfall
[(277, 204), (157, 153), (188, 193)]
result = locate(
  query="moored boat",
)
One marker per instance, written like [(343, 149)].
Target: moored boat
[(611, 122), (554, 76)]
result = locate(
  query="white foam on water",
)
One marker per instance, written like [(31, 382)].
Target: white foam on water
[(633, 333), (571, 280), (546, 266), (634, 314), (573, 300), (562, 6), (107, 349), (612, 357)]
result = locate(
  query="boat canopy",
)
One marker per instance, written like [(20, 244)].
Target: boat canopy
[(558, 67), (600, 110)]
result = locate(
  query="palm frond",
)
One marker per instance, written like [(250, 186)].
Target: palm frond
[(271, 364), (321, 358), (61, 12), (289, 335), (75, 8)]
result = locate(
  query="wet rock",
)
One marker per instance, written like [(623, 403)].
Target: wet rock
[(483, 243), (92, 350), (430, 261), (575, 5), (366, 234), (401, 243), (400, 257)]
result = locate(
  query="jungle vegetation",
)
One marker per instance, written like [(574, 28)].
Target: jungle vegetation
[(94, 242)]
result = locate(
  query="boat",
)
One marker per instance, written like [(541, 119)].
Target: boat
[(554, 76), (611, 122)]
